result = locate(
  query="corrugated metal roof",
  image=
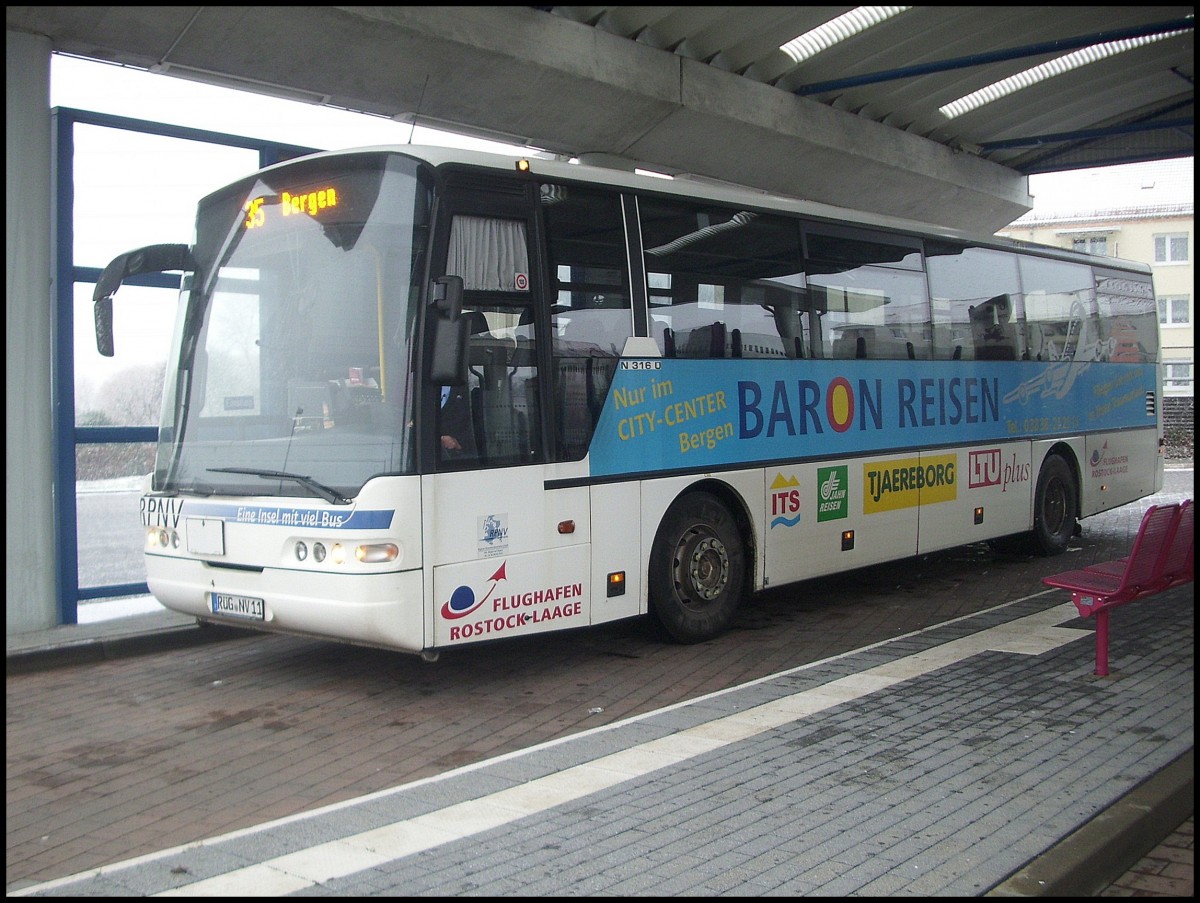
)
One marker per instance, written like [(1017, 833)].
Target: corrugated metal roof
[(1137, 104)]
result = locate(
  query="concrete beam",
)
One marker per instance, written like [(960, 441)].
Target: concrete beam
[(517, 74)]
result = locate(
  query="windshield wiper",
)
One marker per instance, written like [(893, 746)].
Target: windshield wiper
[(330, 495)]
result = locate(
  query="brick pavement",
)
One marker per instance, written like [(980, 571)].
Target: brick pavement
[(935, 763), (1168, 870), (128, 756)]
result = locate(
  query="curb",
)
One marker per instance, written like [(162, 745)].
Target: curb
[(97, 649), (1111, 843)]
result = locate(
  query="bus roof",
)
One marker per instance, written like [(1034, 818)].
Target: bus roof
[(704, 188)]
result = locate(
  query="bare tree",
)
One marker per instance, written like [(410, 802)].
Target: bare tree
[(133, 397)]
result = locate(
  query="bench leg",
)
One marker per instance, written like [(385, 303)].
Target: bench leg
[(1102, 643)]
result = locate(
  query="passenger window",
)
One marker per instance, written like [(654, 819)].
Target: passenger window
[(870, 294), (1060, 311), (591, 314), (977, 303), (723, 282), (1128, 317), (495, 419), (491, 254)]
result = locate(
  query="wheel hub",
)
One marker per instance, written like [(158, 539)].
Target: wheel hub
[(708, 568)]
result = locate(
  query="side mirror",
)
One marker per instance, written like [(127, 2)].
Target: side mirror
[(448, 353), (448, 295), (151, 259), (104, 327)]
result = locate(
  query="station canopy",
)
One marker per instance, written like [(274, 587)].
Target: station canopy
[(932, 112)]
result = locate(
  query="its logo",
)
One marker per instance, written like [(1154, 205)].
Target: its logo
[(785, 500), (463, 602), (1098, 454)]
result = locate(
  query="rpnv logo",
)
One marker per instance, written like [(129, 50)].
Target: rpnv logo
[(983, 468)]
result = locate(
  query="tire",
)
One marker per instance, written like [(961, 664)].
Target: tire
[(697, 569), (1055, 502)]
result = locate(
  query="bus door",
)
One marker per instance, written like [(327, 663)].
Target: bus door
[(506, 557)]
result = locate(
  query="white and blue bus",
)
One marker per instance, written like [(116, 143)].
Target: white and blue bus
[(419, 397)]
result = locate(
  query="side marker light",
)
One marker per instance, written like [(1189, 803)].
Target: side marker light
[(616, 584)]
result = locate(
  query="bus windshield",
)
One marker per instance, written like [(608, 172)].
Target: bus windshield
[(292, 343)]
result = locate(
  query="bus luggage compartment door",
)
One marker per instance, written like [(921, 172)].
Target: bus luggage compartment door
[(511, 595)]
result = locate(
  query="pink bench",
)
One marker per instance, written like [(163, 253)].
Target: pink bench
[(1162, 557)]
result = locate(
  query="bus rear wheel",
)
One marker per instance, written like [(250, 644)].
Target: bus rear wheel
[(697, 569), (1055, 503)]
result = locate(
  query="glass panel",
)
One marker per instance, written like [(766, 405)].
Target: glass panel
[(1060, 309), (1128, 318), (1177, 375), (591, 314), (171, 175), (961, 280), (125, 389), (495, 419), (1094, 244), (871, 294), (1171, 248), (872, 313), (723, 282), (490, 254), (109, 533), (294, 349), (854, 246)]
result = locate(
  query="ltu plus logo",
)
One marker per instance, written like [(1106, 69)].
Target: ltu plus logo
[(983, 468), (463, 602), (987, 467)]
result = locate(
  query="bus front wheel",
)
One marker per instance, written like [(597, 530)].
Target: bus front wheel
[(697, 569), (1055, 502)]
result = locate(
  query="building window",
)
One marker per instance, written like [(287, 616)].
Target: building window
[(1171, 248), (1174, 310), (1091, 244), (1177, 376)]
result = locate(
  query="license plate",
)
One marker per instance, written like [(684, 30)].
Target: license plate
[(238, 606)]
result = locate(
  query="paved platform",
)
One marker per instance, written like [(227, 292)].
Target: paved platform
[(940, 763), (978, 756)]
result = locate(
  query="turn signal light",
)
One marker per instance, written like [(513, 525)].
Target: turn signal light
[(616, 584), (377, 552)]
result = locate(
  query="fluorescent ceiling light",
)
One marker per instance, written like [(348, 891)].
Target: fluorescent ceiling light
[(1054, 67), (832, 32)]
